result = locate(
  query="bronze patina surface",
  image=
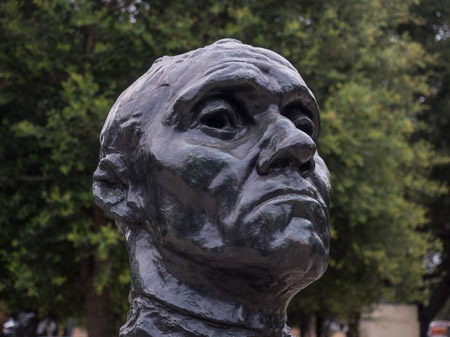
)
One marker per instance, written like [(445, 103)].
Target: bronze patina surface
[(208, 163)]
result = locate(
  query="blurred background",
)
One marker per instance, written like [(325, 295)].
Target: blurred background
[(380, 71)]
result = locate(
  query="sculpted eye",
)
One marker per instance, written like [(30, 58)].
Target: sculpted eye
[(217, 117), (301, 120), (305, 124)]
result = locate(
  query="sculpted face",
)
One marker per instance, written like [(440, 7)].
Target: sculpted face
[(209, 164), (229, 172), (214, 152)]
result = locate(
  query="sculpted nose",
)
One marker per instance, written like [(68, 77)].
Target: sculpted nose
[(287, 146)]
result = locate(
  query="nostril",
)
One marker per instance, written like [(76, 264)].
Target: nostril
[(305, 166), (281, 163), (306, 169)]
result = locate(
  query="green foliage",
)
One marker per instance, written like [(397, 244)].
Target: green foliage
[(431, 29), (369, 113), (62, 64)]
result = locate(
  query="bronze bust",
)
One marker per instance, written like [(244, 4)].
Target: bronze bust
[(208, 163)]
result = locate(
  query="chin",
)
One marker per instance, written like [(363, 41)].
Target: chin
[(291, 266), (307, 259)]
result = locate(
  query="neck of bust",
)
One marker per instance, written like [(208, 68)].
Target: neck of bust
[(257, 306)]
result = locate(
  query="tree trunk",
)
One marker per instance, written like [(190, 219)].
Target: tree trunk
[(353, 325), (319, 326), (437, 300), (306, 325), (97, 304)]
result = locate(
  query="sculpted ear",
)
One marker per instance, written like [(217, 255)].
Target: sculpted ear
[(113, 191)]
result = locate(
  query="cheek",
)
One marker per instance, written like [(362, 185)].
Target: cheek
[(321, 179), (196, 178), (192, 195), (213, 179), (186, 227), (201, 168)]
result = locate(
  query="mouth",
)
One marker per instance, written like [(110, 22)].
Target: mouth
[(288, 218), (304, 204), (288, 192), (283, 193), (304, 195)]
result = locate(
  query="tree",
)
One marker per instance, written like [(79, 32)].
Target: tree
[(58, 249), (62, 65), (372, 77), (431, 29)]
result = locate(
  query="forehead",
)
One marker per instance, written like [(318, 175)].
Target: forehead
[(233, 63), (272, 78)]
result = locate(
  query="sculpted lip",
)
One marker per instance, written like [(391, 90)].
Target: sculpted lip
[(307, 194), (286, 192), (301, 199), (304, 201)]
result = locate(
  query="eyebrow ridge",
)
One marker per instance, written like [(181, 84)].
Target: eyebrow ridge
[(184, 105)]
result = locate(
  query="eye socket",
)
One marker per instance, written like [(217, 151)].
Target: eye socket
[(305, 125), (301, 121), (216, 119), (218, 115)]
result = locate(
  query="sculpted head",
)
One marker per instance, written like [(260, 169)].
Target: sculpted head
[(213, 154)]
